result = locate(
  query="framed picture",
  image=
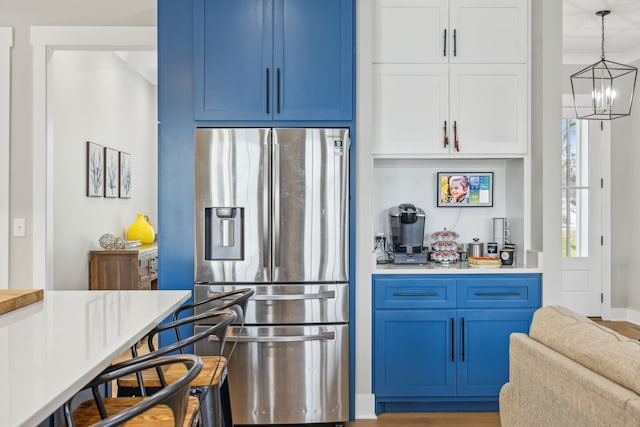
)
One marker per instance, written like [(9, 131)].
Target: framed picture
[(111, 170), (465, 189), (95, 170), (125, 175)]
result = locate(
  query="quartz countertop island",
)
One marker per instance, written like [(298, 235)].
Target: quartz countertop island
[(50, 349)]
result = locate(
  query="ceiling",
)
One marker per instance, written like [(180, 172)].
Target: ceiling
[(582, 31)]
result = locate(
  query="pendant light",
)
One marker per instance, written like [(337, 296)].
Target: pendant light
[(604, 90)]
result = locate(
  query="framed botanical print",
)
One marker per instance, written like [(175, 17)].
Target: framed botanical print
[(95, 170), (111, 169), (125, 175)]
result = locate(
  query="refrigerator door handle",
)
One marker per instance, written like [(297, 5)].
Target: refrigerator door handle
[(266, 211), (326, 336), (276, 204), (294, 297)]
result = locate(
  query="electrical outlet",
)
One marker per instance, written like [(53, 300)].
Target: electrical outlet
[(19, 227)]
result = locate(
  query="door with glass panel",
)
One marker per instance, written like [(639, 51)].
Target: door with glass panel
[(582, 239)]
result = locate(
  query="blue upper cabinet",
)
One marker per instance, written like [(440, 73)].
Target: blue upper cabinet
[(273, 59)]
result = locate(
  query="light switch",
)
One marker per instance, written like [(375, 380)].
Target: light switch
[(19, 227)]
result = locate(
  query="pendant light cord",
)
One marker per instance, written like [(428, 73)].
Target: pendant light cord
[(603, 15)]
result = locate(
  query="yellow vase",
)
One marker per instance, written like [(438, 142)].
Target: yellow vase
[(141, 230)]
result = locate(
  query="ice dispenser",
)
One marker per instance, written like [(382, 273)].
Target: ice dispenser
[(224, 231)]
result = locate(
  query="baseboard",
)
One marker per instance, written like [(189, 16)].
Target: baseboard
[(626, 314), (365, 406), (633, 316)]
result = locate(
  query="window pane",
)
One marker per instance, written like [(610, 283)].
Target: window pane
[(565, 142), (575, 188)]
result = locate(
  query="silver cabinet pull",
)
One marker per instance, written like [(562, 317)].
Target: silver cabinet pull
[(296, 338)]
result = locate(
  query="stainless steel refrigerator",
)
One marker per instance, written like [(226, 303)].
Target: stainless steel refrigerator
[(272, 213)]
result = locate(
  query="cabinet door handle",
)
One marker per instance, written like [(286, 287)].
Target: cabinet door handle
[(446, 136), (453, 341), (267, 86), (455, 43), (498, 294), (278, 90), (455, 136), (444, 50), (462, 338), (418, 294)]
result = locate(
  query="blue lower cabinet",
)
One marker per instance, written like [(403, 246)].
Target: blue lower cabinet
[(407, 341), (483, 359), (431, 353)]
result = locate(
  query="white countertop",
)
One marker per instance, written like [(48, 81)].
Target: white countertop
[(457, 268), (50, 349)]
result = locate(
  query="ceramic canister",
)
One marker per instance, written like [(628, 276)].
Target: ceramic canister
[(506, 256)]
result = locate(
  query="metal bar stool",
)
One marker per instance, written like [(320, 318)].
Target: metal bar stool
[(207, 385), (170, 406)]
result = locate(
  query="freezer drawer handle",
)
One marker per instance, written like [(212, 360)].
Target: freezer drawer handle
[(299, 338), (319, 295)]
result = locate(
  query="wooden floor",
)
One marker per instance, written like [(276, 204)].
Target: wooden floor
[(434, 419), (628, 329)]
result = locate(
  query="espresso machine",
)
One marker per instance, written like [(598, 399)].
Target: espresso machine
[(407, 234)]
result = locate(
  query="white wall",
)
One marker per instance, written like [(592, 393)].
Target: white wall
[(546, 112), (21, 15), (94, 96), (625, 209), (6, 41)]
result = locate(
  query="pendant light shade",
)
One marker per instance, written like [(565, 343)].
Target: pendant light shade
[(604, 90)]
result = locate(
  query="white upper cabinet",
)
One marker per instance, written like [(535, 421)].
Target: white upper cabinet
[(488, 31), (434, 109), (450, 77), (410, 31), (488, 109), (411, 108), (455, 31)]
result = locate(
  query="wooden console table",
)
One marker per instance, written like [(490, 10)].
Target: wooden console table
[(124, 269)]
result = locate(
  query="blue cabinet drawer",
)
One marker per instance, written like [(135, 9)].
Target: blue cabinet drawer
[(404, 292), (499, 291)]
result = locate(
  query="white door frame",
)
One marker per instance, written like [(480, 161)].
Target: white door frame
[(6, 43), (45, 41)]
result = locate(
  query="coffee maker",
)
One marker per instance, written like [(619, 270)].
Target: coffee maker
[(407, 234)]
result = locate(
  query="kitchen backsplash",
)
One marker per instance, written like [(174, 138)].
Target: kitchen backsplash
[(415, 181)]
